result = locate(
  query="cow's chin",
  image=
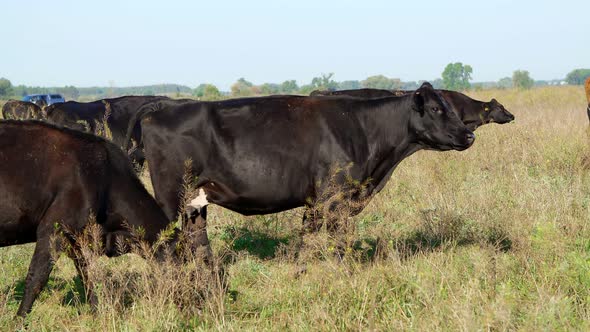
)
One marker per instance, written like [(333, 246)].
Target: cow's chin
[(461, 147), (448, 146), (438, 144)]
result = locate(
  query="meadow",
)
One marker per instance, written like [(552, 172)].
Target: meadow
[(496, 237)]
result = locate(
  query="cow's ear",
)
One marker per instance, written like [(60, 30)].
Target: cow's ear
[(419, 101), (426, 85)]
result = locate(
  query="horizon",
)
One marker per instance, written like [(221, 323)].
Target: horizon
[(180, 42)]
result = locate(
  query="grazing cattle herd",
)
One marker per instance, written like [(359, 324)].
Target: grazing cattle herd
[(250, 155)]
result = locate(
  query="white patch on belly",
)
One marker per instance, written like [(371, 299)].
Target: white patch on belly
[(199, 201)]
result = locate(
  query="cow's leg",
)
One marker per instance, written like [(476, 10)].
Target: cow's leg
[(195, 230), (39, 270), (166, 176), (137, 156), (340, 227), (312, 221), (42, 261), (82, 267), (195, 227)]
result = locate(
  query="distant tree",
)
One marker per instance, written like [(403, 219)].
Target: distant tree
[(456, 76), (437, 83), (522, 80), (577, 76), (69, 92), (349, 85), (307, 89), (242, 88), (381, 82), (411, 85), (289, 87), (5, 87), (211, 92), (207, 92), (20, 90), (324, 82), (199, 91), (505, 83), (270, 88)]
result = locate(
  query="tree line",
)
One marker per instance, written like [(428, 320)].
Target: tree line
[(455, 76)]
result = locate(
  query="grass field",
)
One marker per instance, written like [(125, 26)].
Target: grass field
[(493, 238)]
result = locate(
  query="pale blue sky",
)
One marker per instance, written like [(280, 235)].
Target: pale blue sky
[(84, 43)]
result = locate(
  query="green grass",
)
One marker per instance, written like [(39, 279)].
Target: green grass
[(493, 238)]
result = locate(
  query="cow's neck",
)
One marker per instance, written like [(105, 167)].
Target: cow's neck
[(135, 205), (474, 116), (388, 123)]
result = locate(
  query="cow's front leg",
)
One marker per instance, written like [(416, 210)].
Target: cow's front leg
[(39, 270), (81, 264)]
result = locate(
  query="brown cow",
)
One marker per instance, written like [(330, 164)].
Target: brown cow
[(54, 178), (21, 110)]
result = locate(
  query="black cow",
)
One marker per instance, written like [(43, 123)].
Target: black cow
[(270, 154), (361, 93), (21, 110), (53, 179), (76, 115), (91, 116), (473, 113)]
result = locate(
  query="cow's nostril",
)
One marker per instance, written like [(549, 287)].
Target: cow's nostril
[(470, 137)]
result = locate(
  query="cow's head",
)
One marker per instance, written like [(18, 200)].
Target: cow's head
[(495, 112), (435, 124)]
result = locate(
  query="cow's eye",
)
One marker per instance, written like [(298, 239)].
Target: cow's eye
[(436, 110)]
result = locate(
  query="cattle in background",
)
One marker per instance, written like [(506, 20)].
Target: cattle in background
[(270, 154), (56, 176), (360, 93), (21, 110), (473, 113), (587, 89), (76, 115), (91, 117)]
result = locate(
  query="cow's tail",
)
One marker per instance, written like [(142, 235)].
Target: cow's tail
[(136, 118), (587, 87)]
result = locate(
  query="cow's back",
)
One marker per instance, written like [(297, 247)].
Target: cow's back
[(120, 111)]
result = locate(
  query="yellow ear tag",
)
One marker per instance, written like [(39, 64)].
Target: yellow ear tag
[(487, 109)]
